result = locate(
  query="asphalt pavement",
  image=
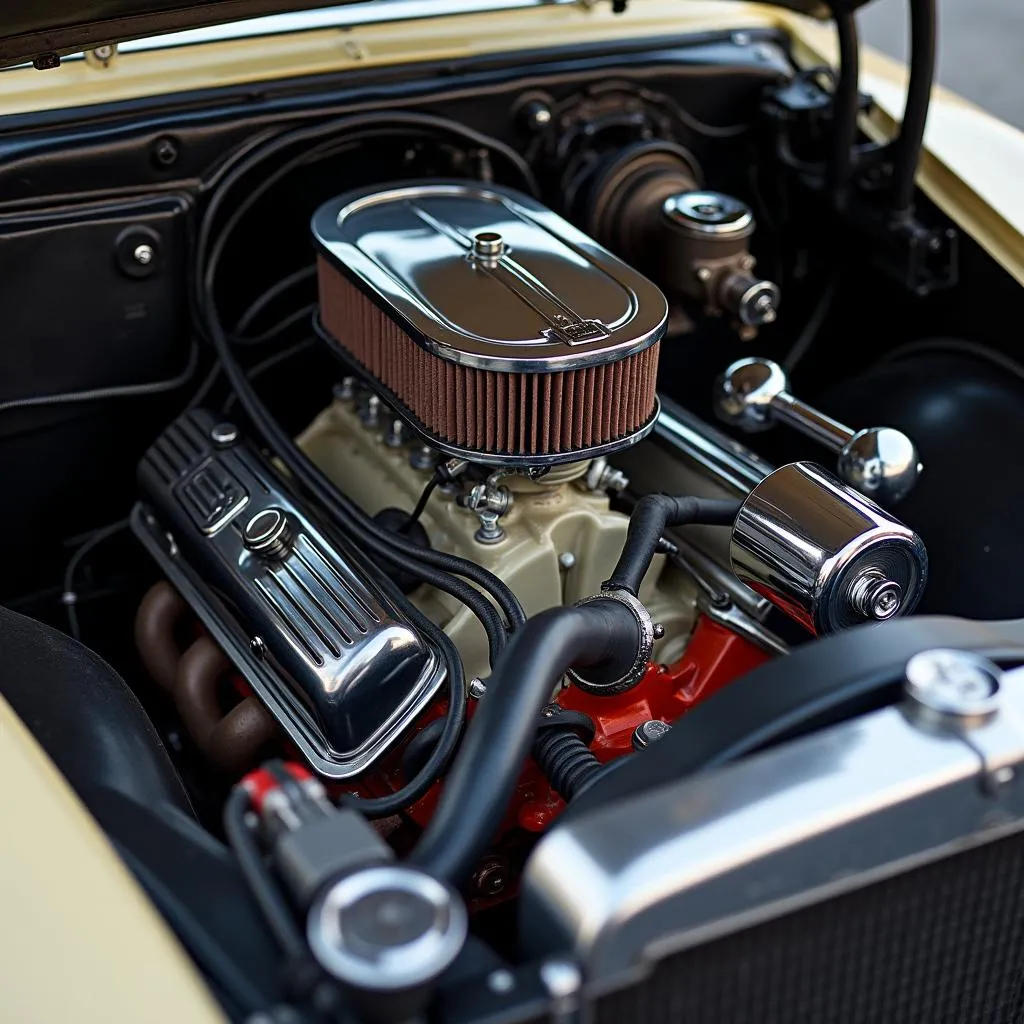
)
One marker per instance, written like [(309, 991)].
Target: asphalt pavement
[(981, 48)]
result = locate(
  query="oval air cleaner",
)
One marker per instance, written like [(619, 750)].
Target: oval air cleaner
[(502, 333)]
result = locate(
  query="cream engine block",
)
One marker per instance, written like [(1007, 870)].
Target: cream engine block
[(555, 543)]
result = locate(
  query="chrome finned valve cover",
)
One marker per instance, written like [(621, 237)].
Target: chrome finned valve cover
[(319, 643)]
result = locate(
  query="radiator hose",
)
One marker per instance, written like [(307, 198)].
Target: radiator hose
[(603, 637), (651, 516)]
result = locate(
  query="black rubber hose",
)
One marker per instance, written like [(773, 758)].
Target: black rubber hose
[(907, 147), (335, 503), (264, 888), (448, 741), (433, 567), (845, 109), (477, 790), (651, 516), (818, 684), (566, 761)]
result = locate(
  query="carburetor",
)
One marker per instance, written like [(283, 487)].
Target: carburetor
[(551, 535)]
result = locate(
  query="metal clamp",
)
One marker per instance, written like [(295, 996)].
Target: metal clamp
[(645, 647), (881, 462)]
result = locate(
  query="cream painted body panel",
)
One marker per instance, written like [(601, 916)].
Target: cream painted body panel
[(81, 941)]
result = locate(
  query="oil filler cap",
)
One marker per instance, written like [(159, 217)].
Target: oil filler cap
[(388, 928), (268, 533)]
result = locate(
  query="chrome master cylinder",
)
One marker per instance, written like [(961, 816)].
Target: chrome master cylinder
[(829, 557)]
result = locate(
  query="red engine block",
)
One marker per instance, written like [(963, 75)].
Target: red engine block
[(714, 657)]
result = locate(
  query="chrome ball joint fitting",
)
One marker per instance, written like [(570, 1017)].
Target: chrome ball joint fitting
[(881, 462)]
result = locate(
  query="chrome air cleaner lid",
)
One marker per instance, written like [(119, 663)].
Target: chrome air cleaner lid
[(486, 277), (499, 331)]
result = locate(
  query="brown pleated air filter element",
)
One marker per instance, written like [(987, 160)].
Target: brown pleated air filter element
[(500, 331), (491, 411)]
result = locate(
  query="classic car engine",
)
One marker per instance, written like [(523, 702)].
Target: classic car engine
[(494, 359), (519, 637)]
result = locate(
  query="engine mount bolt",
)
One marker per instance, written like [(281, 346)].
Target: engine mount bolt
[(143, 254), (567, 560), (224, 434), (345, 389)]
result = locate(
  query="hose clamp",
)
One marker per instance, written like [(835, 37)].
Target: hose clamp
[(645, 648)]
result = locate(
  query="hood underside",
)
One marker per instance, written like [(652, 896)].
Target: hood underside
[(43, 30)]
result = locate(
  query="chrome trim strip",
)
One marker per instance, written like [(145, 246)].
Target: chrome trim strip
[(727, 462), (380, 12)]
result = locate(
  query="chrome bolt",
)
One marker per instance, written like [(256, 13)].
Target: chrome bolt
[(875, 596), (345, 389), (535, 115), (370, 413), (395, 436), (658, 630), (953, 686), (501, 981), (143, 254), (563, 981), (477, 688), (602, 477), (491, 877), (703, 274), (567, 560), (258, 646), (488, 245), (423, 458), (764, 307), (648, 732), (490, 531), (224, 434)]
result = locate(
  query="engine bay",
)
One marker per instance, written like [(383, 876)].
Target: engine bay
[(470, 472)]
